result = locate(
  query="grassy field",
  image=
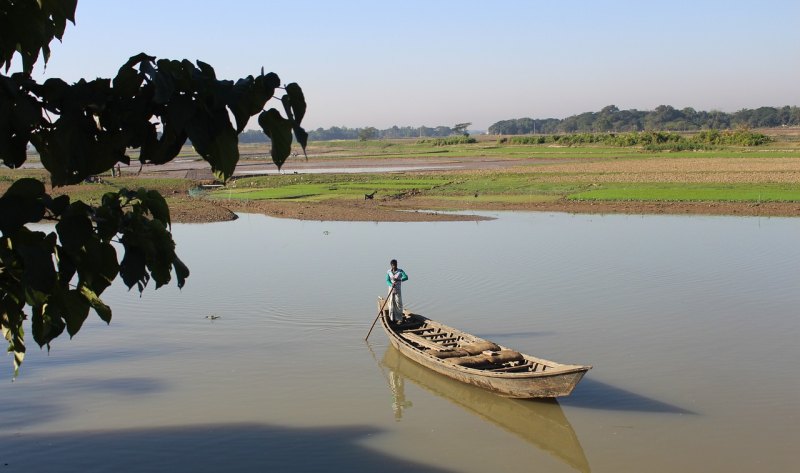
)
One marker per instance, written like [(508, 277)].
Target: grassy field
[(540, 173), (500, 187), (322, 187), (691, 193)]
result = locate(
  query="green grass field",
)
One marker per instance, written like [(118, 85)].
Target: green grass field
[(322, 187), (502, 188), (691, 193)]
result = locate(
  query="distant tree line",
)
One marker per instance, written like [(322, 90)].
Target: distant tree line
[(344, 133), (609, 119), (664, 117), (365, 133)]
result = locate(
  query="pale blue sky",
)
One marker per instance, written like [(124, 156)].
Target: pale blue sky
[(412, 63)]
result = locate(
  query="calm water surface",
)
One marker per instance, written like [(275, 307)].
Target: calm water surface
[(690, 322)]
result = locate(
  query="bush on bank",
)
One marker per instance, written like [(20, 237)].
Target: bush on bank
[(649, 140)]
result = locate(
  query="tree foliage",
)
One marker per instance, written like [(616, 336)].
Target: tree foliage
[(663, 118), (29, 27), (649, 140), (345, 133), (449, 141), (368, 133), (461, 128), (82, 129)]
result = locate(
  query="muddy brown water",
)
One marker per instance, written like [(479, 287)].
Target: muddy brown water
[(260, 362)]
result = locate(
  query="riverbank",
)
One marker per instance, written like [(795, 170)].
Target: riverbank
[(422, 210), (406, 181)]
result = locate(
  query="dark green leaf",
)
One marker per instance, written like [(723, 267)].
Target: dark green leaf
[(179, 113), (27, 114), (162, 81), (160, 252), (19, 116), (165, 149), (13, 149), (11, 325), (55, 92), (157, 206), (248, 97), (127, 81), (138, 59), (58, 205), (47, 325), (217, 142), (181, 271), (238, 102), (101, 308), (75, 227), (26, 187), (207, 70), (226, 149), (269, 82), (287, 107), (22, 203), (67, 266), (279, 130), (36, 250), (297, 101), (68, 9), (99, 266), (132, 268), (108, 215), (301, 135), (76, 309)]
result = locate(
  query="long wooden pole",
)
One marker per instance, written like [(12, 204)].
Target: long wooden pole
[(389, 296)]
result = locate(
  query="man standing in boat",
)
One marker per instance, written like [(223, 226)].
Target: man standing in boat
[(394, 278)]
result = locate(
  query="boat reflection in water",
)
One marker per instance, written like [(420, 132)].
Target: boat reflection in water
[(541, 423)]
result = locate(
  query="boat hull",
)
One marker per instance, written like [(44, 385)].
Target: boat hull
[(559, 381)]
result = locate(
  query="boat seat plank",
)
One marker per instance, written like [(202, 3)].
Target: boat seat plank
[(435, 334), (412, 337), (443, 339), (507, 369), (420, 330)]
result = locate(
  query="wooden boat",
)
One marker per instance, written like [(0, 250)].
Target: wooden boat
[(473, 360)]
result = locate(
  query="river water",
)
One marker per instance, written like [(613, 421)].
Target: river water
[(260, 363)]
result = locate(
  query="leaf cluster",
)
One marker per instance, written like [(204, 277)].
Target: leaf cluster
[(86, 128), (61, 274), (29, 26)]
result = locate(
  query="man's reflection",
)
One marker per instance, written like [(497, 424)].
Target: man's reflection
[(398, 394)]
